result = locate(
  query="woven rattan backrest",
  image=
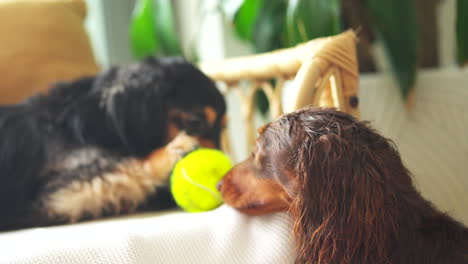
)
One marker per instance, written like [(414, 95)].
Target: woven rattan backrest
[(324, 73)]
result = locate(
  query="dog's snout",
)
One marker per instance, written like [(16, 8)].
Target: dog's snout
[(219, 185)]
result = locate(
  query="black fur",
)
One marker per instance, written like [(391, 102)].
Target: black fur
[(122, 112)]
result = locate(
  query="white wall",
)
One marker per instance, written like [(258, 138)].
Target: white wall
[(108, 23), (432, 137), (97, 31)]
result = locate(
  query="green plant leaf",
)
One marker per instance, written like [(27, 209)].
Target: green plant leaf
[(261, 102), (165, 27), (143, 38), (395, 23), (309, 19), (462, 32), (245, 18), (267, 37), (268, 29)]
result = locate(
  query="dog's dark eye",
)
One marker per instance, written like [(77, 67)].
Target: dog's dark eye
[(194, 122), (353, 101), (252, 205), (195, 125)]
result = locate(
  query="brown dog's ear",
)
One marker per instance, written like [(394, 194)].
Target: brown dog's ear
[(339, 196)]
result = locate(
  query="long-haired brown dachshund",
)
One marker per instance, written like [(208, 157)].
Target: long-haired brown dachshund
[(351, 198)]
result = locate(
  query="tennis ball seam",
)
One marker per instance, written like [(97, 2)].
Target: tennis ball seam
[(185, 194), (201, 186)]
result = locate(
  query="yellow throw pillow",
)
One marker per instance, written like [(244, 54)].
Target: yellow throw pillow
[(42, 42)]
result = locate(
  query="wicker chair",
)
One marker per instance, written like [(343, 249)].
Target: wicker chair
[(324, 71)]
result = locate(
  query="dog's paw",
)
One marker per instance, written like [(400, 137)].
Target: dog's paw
[(182, 144)]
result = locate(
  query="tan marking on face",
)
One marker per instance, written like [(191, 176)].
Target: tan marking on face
[(172, 131), (210, 114), (206, 143), (175, 113)]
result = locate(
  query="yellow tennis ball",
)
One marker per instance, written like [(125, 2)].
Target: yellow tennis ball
[(194, 179)]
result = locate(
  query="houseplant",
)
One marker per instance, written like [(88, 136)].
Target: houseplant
[(405, 27)]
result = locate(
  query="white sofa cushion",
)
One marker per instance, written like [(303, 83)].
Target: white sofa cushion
[(219, 236)]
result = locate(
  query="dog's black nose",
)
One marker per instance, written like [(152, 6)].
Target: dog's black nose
[(219, 185)]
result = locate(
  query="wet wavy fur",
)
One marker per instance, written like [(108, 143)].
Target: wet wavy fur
[(84, 129), (351, 198), (355, 201)]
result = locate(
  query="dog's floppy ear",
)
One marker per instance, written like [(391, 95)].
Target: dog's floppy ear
[(78, 111), (131, 103), (139, 116), (339, 196), (123, 108)]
